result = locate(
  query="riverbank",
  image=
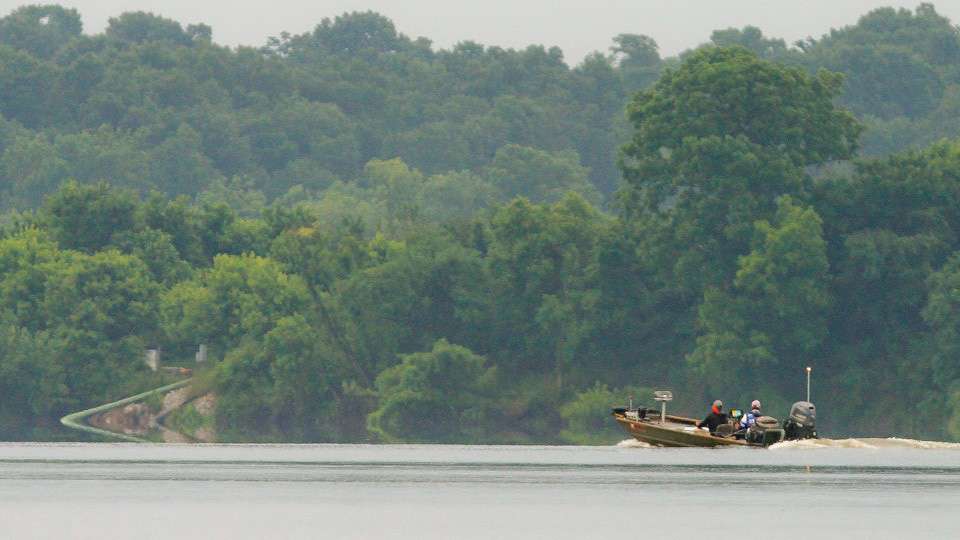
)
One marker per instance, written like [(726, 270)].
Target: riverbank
[(128, 419)]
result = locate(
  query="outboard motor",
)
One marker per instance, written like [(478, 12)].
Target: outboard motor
[(802, 423)]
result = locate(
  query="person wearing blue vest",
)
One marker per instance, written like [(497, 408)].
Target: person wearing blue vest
[(749, 419)]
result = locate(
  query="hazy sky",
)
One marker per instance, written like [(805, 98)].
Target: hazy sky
[(576, 26)]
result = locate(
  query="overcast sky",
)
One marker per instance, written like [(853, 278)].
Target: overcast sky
[(576, 26)]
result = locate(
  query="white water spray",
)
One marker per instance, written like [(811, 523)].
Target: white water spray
[(866, 443)]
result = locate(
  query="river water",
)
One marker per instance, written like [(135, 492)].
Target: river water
[(825, 489)]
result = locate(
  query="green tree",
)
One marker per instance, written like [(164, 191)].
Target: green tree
[(425, 289), (24, 258), (32, 170), (178, 165), (729, 92), (31, 380), (139, 27), (103, 308), (774, 316), (896, 61), (941, 314), (540, 260), (587, 416), (435, 396), (752, 39), (638, 57), (240, 297), (25, 94), (540, 176), (86, 218), (40, 30), (263, 388)]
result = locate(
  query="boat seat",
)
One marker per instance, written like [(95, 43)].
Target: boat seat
[(725, 430)]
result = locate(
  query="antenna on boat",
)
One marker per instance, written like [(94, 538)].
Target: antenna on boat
[(809, 369), (663, 396)]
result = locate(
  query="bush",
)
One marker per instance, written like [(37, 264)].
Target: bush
[(587, 417)]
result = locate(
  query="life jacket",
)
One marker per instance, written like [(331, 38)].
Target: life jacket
[(750, 419)]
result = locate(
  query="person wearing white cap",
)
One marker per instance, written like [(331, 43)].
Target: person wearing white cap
[(750, 418)]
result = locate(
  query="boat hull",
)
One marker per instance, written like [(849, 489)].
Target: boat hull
[(674, 432)]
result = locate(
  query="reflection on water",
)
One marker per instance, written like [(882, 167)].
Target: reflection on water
[(891, 489)]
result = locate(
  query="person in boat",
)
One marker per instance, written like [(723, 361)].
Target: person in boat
[(715, 419), (749, 419)]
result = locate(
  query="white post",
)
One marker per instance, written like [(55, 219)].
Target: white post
[(663, 412), (809, 369), (153, 359)]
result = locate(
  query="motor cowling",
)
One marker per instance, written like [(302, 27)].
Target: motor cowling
[(802, 423)]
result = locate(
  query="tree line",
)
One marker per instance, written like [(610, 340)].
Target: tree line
[(382, 241)]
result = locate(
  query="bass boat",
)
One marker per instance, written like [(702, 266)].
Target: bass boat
[(658, 428)]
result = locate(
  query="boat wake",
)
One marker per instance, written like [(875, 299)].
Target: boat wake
[(633, 443), (867, 443)]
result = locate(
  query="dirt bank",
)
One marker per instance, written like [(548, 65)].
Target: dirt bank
[(133, 419)]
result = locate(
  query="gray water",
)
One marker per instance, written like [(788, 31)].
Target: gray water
[(828, 489)]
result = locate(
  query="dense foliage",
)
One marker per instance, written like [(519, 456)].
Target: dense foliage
[(378, 240)]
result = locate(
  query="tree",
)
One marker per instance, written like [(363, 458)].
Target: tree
[(435, 396), (104, 155), (704, 165), (27, 82), (941, 314), (40, 30), (24, 258), (587, 416), (289, 385), (358, 32), (729, 92), (240, 297), (897, 61), (639, 59), (540, 176), (86, 218), (540, 259), (424, 289), (31, 381), (140, 27), (752, 39), (178, 165), (775, 314), (32, 169), (102, 308), (155, 248)]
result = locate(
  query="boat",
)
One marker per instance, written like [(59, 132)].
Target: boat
[(658, 428)]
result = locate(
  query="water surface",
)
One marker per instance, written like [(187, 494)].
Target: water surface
[(824, 489)]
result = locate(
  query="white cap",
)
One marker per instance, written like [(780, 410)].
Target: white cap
[(755, 404)]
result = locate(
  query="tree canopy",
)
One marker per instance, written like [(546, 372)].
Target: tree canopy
[(382, 240)]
